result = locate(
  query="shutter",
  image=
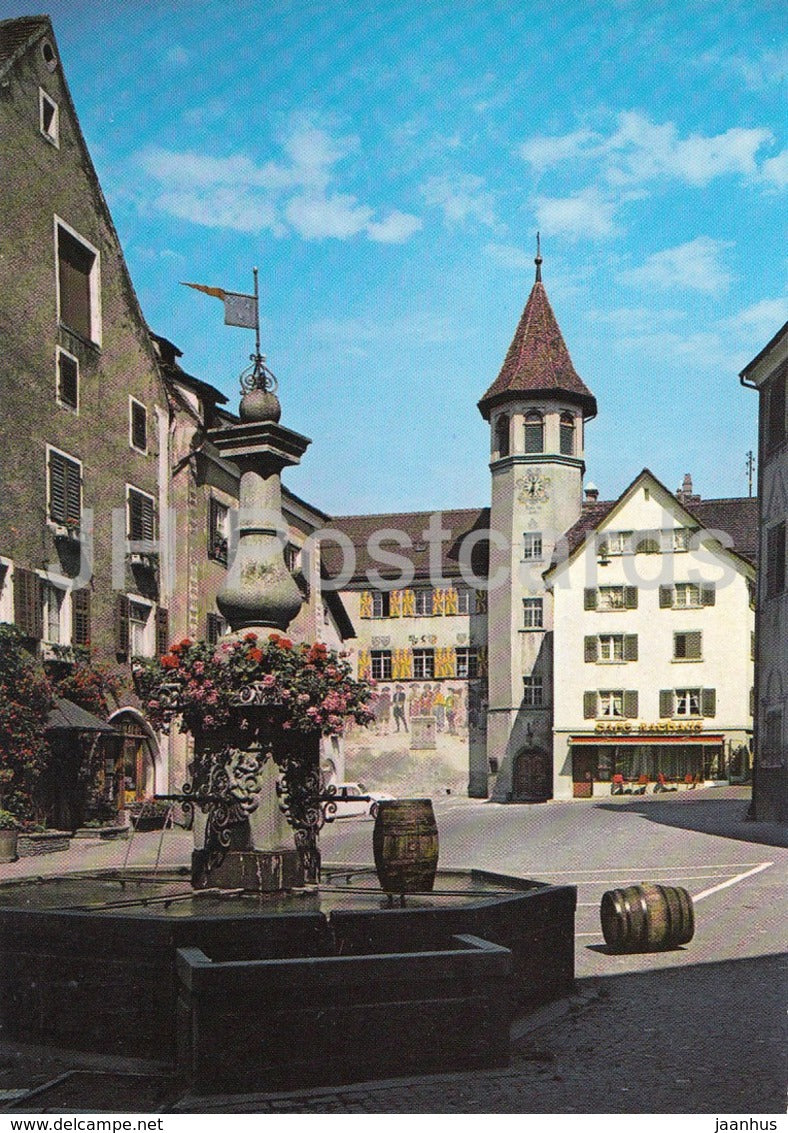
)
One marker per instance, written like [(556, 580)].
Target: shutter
[(591, 648), (140, 517), (28, 610), (589, 598), (709, 702), (139, 426), (630, 647), (73, 493), (80, 617), (630, 597), (162, 631), (589, 705), (708, 594), (631, 704), (57, 487), (213, 524), (665, 597), (122, 625), (666, 703), (694, 641), (75, 263), (68, 375)]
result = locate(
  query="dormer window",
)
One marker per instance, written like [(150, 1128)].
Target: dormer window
[(502, 435), (567, 434), (49, 118), (534, 432)]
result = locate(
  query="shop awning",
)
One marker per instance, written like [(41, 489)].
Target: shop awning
[(672, 738), (66, 716)]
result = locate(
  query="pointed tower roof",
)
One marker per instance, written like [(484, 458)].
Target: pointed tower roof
[(538, 362)]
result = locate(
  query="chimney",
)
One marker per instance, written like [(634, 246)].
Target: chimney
[(591, 494), (685, 494)]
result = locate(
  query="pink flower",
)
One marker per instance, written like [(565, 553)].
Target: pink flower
[(269, 680)]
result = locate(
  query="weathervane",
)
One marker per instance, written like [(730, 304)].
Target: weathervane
[(242, 310)]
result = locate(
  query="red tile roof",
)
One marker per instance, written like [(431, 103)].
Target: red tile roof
[(538, 361)]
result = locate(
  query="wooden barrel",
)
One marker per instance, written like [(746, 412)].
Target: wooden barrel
[(646, 918), (405, 845)]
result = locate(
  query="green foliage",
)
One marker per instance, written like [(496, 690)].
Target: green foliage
[(8, 821), (25, 701)]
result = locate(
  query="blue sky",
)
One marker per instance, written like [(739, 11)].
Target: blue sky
[(387, 165)]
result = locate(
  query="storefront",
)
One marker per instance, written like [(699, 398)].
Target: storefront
[(686, 754)]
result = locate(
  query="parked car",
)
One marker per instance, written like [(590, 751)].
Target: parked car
[(354, 798)]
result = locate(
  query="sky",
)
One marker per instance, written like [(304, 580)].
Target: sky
[(386, 166)]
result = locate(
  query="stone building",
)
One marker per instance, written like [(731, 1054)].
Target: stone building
[(768, 373)]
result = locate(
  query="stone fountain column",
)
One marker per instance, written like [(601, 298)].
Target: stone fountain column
[(260, 596)]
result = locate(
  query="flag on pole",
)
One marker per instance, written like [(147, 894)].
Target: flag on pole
[(239, 310)]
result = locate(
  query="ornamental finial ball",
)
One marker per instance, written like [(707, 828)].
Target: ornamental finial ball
[(260, 405)]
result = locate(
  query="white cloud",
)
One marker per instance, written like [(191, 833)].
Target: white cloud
[(638, 151), (462, 197), (758, 71), (760, 322), (775, 170), (583, 214), (693, 266), (295, 194), (510, 256)]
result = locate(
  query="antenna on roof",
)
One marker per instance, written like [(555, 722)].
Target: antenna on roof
[(750, 468), (538, 260)]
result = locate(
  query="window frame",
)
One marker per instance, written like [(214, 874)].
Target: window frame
[(149, 630), (63, 520), (610, 698), (383, 659), (688, 694), (218, 533), (424, 664), (466, 662), (533, 613), (135, 402), (381, 599), (685, 635), (94, 283), (613, 639), (604, 602), (47, 588), (532, 546), (52, 134), (533, 691), (130, 490), (532, 420), (423, 596), (60, 353), (463, 599), (566, 428)]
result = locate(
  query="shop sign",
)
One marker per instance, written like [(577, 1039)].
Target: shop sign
[(629, 727)]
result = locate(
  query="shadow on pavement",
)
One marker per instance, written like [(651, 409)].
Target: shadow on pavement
[(725, 817)]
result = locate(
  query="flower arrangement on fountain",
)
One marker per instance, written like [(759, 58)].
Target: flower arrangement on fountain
[(245, 701)]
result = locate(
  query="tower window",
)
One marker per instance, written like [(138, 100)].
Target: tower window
[(532, 545), (502, 435), (567, 434), (533, 613), (534, 432)]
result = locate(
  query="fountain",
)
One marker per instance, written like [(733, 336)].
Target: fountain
[(256, 969)]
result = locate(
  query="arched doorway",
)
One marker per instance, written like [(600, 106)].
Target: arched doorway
[(135, 767), (531, 781)]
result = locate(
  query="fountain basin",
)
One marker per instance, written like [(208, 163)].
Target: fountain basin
[(91, 961)]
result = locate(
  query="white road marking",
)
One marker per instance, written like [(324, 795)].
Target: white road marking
[(646, 868), (588, 934), (658, 881), (733, 881)]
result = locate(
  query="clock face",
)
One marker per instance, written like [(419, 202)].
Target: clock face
[(533, 487)]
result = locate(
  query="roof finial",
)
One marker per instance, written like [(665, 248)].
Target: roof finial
[(538, 260)]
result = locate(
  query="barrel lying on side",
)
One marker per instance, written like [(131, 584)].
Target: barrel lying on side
[(405, 845), (646, 918)]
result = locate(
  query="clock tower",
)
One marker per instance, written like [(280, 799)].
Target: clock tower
[(537, 408)]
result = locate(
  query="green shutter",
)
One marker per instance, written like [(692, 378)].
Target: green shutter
[(589, 705), (589, 598), (630, 647), (708, 594), (80, 617), (122, 625), (591, 646), (709, 702), (666, 703), (630, 597), (665, 597), (631, 704)]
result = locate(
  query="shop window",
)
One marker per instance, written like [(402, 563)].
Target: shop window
[(423, 664), (67, 379), (78, 285), (533, 613), (534, 432)]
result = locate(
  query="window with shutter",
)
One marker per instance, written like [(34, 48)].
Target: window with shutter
[(589, 705), (28, 607), (80, 617), (65, 489), (665, 703), (687, 702), (67, 379), (138, 425), (611, 647), (122, 625), (590, 648), (611, 703), (140, 516), (709, 700), (687, 646), (78, 277), (423, 663), (381, 664)]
